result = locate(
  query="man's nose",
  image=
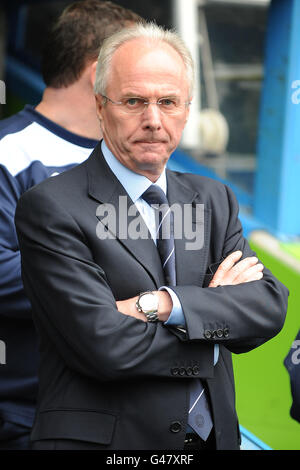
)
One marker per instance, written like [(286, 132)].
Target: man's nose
[(152, 117)]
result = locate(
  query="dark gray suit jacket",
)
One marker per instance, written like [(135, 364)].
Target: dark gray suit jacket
[(108, 378)]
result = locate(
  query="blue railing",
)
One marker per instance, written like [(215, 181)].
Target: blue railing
[(251, 442)]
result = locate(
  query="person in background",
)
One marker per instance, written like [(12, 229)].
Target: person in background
[(136, 331), (39, 142), (292, 364)]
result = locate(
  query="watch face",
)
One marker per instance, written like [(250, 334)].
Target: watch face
[(148, 302)]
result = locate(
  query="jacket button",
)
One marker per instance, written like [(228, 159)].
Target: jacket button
[(182, 371), (175, 426), (226, 332), (189, 371), (195, 370), (174, 371), (220, 333), (207, 334)]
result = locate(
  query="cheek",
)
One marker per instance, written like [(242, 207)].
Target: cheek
[(176, 131), (122, 127), (111, 128)]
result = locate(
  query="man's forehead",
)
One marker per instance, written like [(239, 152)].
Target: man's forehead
[(140, 63), (143, 52)]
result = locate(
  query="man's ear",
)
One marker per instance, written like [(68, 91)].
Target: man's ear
[(93, 72), (99, 106)]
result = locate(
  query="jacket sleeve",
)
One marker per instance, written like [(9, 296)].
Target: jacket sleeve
[(243, 316), (74, 307), (13, 301)]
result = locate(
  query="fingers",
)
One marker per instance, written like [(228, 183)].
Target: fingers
[(224, 268), (231, 272), (238, 271), (252, 273)]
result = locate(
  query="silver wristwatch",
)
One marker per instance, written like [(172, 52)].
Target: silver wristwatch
[(147, 303)]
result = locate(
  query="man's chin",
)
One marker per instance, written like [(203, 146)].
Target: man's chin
[(151, 161), (151, 147)]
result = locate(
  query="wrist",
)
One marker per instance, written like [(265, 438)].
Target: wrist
[(165, 305), (154, 305), (147, 305)]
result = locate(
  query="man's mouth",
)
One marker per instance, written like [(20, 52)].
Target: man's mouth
[(148, 142)]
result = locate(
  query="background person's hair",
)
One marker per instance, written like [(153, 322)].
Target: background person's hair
[(76, 37), (155, 35)]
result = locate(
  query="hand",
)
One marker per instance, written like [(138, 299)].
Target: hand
[(232, 272), (128, 307), (165, 305)]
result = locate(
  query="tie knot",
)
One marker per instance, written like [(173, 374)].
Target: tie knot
[(155, 195)]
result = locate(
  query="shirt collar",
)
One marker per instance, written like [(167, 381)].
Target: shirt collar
[(134, 184), (33, 115)]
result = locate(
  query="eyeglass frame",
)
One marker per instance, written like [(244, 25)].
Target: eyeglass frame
[(146, 104)]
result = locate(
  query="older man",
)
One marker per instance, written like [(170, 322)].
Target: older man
[(136, 332)]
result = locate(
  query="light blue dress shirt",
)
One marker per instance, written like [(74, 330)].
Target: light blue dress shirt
[(135, 185)]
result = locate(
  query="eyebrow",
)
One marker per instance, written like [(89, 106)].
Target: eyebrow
[(137, 95)]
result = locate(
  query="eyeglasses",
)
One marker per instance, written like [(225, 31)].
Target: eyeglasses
[(135, 105)]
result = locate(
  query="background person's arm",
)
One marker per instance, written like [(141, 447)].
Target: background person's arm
[(13, 300)]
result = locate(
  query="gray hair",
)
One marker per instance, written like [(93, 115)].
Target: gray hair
[(150, 31)]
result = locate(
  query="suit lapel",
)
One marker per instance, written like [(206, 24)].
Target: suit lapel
[(104, 187), (191, 260)]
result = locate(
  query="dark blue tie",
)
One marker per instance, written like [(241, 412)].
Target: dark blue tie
[(199, 414), (156, 198)]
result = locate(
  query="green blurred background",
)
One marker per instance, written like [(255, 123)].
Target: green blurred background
[(262, 382)]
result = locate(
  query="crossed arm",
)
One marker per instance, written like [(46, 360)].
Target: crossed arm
[(230, 272), (74, 301)]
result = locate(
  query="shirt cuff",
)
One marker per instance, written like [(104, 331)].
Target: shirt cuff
[(176, 316)]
